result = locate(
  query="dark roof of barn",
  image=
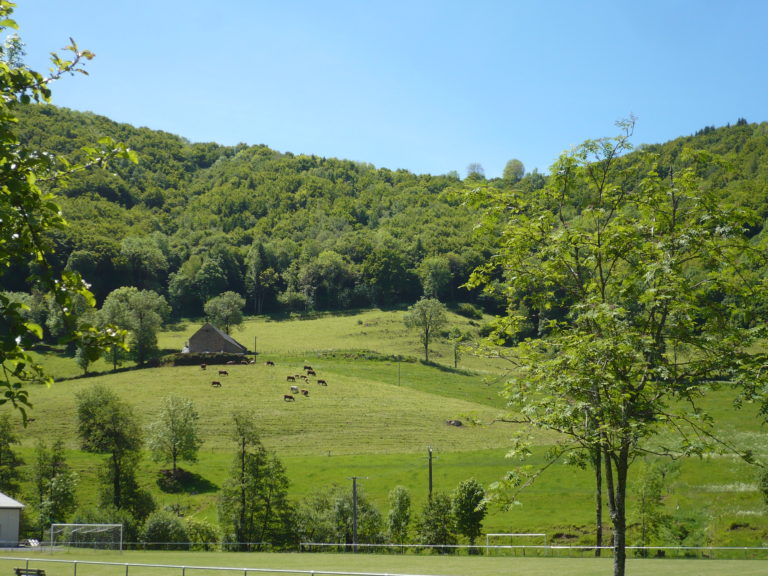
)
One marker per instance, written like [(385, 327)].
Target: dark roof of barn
[(207, 330)]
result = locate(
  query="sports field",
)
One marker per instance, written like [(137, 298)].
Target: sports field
[(202, 564)]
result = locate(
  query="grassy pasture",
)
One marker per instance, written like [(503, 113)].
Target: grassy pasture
[(375, 420)]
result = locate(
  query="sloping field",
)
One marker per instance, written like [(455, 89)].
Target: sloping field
[(375, 419), (350, 415)]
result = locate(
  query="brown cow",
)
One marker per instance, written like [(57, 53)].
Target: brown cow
[(203, 366), (216, 384), (288, 398), (223, 373), (322, 383), (305, 392), (269, 363), (311, 373), (291, 378)]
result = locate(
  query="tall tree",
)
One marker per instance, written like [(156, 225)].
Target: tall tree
[(174, 435), (514, 170), (10, 461), (469, 509), (29, 212), (436, 525), (427, 316), (55, 484), (435, 275), (399, 516), (654, 282), (253, 503), (142, 313), (328, 516), (475, 171), (107, 425), (225, 310)]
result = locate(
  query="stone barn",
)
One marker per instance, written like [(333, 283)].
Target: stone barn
[(10, 520), (210, 339)]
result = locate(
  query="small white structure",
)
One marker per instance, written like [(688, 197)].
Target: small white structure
[(10, 520)]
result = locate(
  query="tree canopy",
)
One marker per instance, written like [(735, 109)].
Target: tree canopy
[(30, 215), (647, 291)]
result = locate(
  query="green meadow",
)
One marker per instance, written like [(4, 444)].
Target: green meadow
[(380, 412), (195, 563)]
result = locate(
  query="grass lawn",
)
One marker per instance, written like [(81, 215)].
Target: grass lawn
[(366, 563)]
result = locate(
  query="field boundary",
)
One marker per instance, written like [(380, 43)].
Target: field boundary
[(125, 566), (556, 550)]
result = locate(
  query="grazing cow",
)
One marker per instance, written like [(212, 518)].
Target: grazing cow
[(305, 392), (223, 373), (269, 363), (322, 383), (216, 384), (288, 398), (291, 378), (307, 367), (295, 389), (303, 377), (203, 366), (311, 373)]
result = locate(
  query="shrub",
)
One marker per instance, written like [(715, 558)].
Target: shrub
[(166, 531), (469, 311), (202, 535)]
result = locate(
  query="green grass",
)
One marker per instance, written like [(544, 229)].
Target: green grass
[(375, 420), (168, 563)]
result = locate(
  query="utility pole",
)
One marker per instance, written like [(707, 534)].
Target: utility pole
[(354, 513)]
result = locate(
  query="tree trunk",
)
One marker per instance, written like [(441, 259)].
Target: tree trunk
[(616, 484), (620, 521), (598, 464)]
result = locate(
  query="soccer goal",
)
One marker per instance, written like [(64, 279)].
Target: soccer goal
[(99, 536)]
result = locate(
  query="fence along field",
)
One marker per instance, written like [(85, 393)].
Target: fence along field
[(88, 563), (376, 418)]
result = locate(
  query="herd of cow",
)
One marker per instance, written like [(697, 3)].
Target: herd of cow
[(305, 377), (295, 390)]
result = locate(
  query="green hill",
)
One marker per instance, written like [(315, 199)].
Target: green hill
[(375, 420)]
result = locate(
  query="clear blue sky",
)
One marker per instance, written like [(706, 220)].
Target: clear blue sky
[(426, 85)]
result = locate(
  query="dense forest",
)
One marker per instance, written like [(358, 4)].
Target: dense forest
[(191, 221), (295, 232)]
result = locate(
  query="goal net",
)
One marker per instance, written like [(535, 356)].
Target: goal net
[(99, 536)]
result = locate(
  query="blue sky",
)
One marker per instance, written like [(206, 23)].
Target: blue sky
[(425, 85)]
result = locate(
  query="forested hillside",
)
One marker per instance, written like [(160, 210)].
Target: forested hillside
[(286, 232), (295, 232)]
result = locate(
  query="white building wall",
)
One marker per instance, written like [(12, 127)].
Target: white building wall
[(9, 526)]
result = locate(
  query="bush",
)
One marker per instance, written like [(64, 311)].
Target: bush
[(469, 311), (202, 535), (166, 531)]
